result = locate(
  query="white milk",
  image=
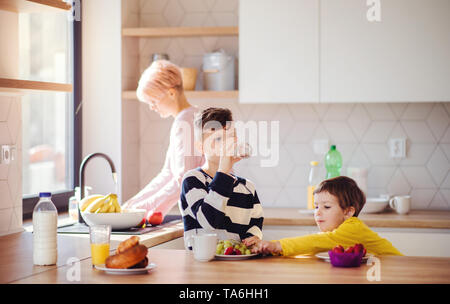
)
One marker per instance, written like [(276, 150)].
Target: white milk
[(45, 247)]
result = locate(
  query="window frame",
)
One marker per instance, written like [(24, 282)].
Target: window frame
[(61, 198)]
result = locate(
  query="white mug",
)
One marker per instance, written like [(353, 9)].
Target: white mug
[(204, 246), (401, 204)]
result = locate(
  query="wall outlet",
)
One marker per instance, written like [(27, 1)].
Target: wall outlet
[(7, 154), (397, 147), (321, 146)]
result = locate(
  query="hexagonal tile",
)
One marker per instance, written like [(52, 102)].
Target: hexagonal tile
[(417, 111), (5, 138), (5, 219), (421, 198), (301, 132), (438, 165), (6, 200), (175, 51), (15, 180), (4, 171), (359, 121), (263, 177), (378, 154), (301, 154), (267, 195), (438, 202), (446, 183), (398, 108), (155, 45), (153, 20), (303, 112), (438, 121), (321, 109), (379, 111), (16, 219), (173, 13), (229, 45), (284, 167), (446, 149), (225, 19), (225, 6), (321, 133), (446, 137), (299, 176), (398, 185), (5, 103), (418, 132), (378, 132), (191, 46), (346, 150), (209, 21), (194, 6), (418, 177), (417, 154), (338, 111), (339, 132), (152, 6), (380, 176), (446, 195), (209, 43)]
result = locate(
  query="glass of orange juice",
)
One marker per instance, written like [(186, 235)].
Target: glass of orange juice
[(100, 236)]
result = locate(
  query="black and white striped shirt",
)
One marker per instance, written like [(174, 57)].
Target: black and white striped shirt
[(227, 205)]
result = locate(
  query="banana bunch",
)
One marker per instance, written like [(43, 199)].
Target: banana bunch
[(100, 204)]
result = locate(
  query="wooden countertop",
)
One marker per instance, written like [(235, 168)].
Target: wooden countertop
[(415, 219), (16, 250), (179, 267)]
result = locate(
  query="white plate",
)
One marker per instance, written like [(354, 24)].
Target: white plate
[(324, 256), (224, 257), (126, 271), (127, 219)]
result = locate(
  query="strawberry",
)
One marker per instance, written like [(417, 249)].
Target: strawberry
[(229, 251), (358, 248), (237, 252), (350, 249), (338, 249)]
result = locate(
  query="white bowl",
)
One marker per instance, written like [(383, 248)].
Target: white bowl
[(375, 205), (127, 219)]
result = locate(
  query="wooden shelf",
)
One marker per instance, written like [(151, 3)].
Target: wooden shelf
[(194, 94), (30, 6), (18, 86), (180, 31)]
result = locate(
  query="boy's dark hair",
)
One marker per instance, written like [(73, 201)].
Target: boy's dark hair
[(346, 190), (211, 117)]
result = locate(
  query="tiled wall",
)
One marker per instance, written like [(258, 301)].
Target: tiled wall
[(11, 174), (360, 131)]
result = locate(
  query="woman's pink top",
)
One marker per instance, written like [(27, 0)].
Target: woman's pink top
[(163, 192)]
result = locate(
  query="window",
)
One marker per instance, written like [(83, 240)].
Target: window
[(50, 128)]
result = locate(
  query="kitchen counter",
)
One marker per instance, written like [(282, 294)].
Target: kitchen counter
[(16, 249), (180, 267), (415, 219)]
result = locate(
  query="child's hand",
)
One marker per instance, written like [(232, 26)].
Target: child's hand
[(251, 241), (267, 247)]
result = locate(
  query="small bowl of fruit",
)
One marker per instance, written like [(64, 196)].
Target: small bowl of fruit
[(350, 257), (233, 250)]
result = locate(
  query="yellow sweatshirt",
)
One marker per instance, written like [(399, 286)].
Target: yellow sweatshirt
[(352, 231)]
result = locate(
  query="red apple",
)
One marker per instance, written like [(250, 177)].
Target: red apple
[(358, 248), (155, 218), (338, 249)]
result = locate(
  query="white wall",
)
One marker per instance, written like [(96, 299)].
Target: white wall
[(101, 22)]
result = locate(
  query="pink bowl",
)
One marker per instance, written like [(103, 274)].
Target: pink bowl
[(345, 259)]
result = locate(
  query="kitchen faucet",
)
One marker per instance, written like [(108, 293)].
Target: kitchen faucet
[(83, 165)]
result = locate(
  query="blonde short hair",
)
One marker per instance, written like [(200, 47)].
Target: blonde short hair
[(159, 77)]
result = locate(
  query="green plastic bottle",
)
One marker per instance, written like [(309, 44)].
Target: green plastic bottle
[(333, 162)]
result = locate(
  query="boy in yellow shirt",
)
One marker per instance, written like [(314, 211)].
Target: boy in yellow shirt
[(337, 202)]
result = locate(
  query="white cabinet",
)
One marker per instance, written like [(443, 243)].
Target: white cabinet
[(328, 51), (278, 51), (403, 58)]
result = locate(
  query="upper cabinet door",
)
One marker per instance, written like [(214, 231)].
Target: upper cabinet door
[(403, 58), (278, 51)]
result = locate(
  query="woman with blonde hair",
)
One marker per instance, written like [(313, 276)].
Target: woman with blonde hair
[(161, 87)]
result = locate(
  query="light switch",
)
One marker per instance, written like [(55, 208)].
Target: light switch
[(397, 147), (7, 154)]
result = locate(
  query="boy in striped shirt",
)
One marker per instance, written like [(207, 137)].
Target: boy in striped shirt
[(212, 197)]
